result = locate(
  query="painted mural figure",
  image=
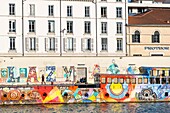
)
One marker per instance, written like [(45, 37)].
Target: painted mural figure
[(51, 73), (69, 73), (113, 68), (13, 77), (96, 69), (32, 75)]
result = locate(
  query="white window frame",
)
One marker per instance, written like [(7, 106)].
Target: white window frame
[(52, 43), (87, 11), (31, 25), (11, 9), (69, 11), (12, 25), (51, 10), (70, 44), (119, 44), (119, 27), (12, 43), (69, 26), (103, 27), (32, 9), (104, 44), (51, 26), (119, 12), (88, 44), (104, 12), (87, 27), (32, 43)]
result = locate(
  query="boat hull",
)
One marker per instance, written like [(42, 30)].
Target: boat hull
[(41, 94)]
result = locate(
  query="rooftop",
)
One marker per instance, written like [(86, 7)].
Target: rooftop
[(155, 16)]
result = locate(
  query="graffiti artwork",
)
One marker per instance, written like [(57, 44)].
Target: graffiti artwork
[(32, 75), (51, 73)]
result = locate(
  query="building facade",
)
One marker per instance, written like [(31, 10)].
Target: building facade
[(63, 28), (147, 33)]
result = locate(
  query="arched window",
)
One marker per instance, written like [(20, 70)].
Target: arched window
[(155, 37), (136, 37)]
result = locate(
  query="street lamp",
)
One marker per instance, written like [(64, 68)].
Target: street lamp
[(95, 2)]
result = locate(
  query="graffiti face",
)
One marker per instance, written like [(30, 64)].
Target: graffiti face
[(32, 76), (146, 94)]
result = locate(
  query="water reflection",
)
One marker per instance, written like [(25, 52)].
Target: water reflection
[(89, 108)]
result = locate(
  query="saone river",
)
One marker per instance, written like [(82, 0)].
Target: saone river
[(163, 107)]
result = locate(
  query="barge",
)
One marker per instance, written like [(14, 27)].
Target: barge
[(152, 84)]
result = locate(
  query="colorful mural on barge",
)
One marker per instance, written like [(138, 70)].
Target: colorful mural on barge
[(151, 84)]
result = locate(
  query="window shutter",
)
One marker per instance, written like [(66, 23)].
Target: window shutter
[(74, 44), (27, 44), (56, 44), (37, 44), (82, 44), (92, 44), (46, 45), (65, 44)]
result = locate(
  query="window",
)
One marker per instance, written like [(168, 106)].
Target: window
[(51, 25), (69, 11), (70, 44), (87, 11), (114, 80), (32, 9), (87, 27), (104, 27), (103, 80), (139, 80), (33, 43), (31, 25), (155, 37), (12, 43), (12, 26), (109, 80), (152, 80), (136, 37), (69, 26), (119, 12), (137, 54), (133, 80), (119, 27), (11, 9), (121, 80), (127, 80), (103, 11), (52, 43), (119, 45), (157, 55), (88, 44), (157, 80), (50, 10), (104, 44), (145, 80)]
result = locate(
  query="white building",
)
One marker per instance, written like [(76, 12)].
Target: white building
[(62, 28)]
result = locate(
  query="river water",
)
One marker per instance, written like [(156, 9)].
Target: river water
[(163, 107)]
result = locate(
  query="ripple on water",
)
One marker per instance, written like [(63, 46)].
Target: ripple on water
[(89, 108)]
